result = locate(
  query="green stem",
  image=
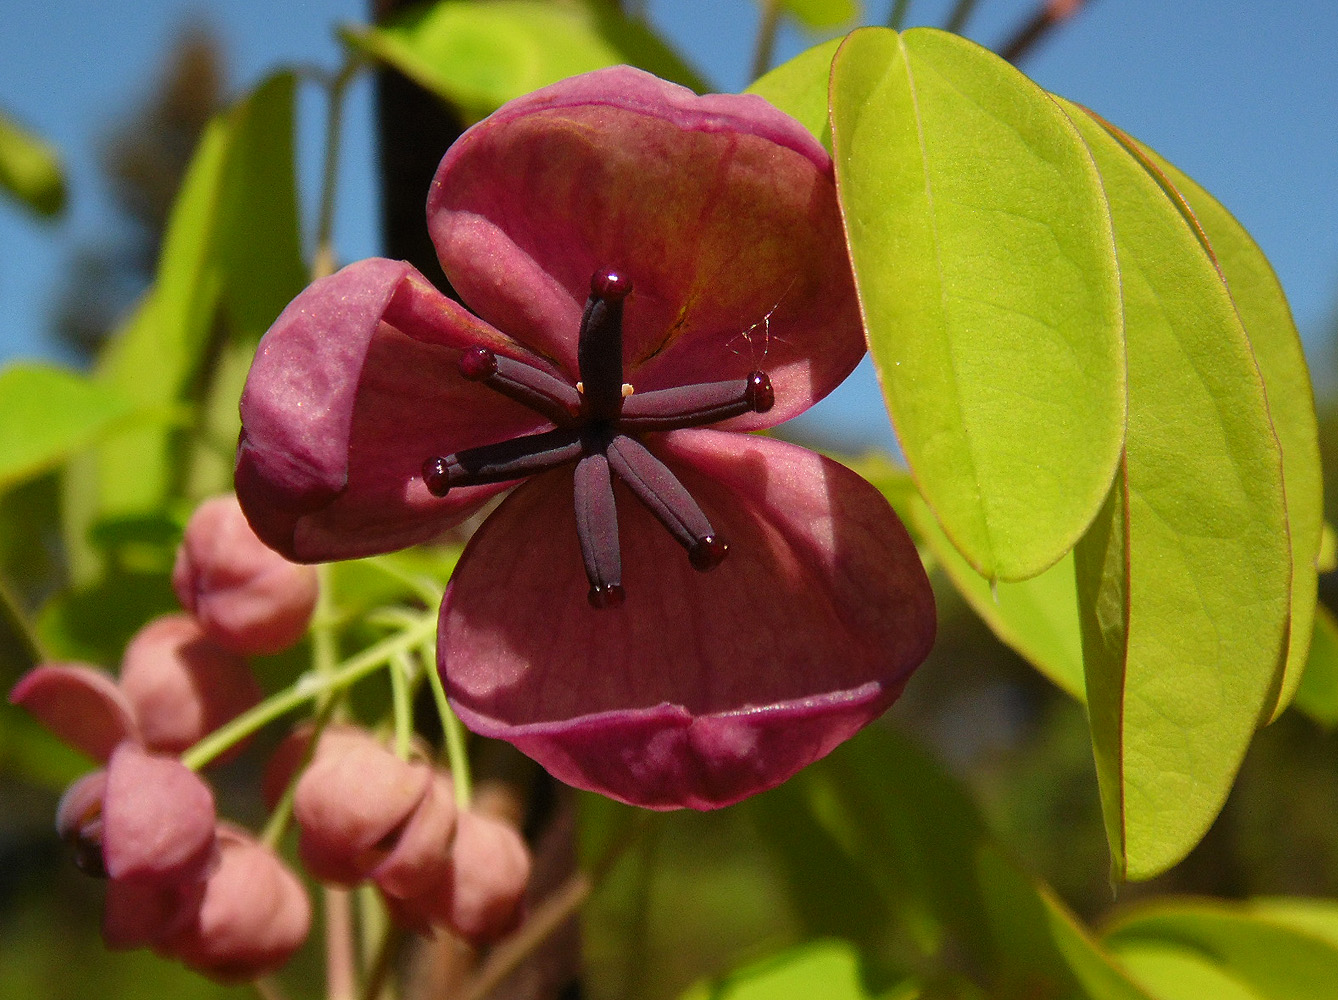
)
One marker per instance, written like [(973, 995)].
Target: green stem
[(400, 670), (29, 645), (766, 37), (457, 755), (308, 687), (900, 11)]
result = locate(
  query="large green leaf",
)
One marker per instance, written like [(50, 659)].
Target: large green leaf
[(879, 808), (1036, 618), (1185, 578), (48, 414), (985, 265), (1263, 310), (1317, 693), (1287, 955), (826, 969), (1172, 972), (822, 15), (230, 262), (479, 55), (30, 169), (799, 88)]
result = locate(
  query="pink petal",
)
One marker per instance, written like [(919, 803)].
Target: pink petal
[(480, 893), (721, 211), (353, 387), (253, 916), (421, 854), (142, 916), (352, 804), (80, 704), (702, 688), (246, 596), (490, 873), (182, 685), (158, 819)]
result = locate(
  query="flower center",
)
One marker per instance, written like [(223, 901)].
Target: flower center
[(599, 425)]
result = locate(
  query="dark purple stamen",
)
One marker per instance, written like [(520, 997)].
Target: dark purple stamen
[(600, 428)]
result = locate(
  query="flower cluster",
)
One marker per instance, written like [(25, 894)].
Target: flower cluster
[(178, 880), (366, 814), (664, 610)]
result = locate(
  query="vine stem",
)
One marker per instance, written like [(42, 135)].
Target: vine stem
[(900, 11), (324, 262), (766, 37), (308, 687)]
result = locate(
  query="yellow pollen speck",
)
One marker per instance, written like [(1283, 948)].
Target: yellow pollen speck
[(580, 387), (627, 389)]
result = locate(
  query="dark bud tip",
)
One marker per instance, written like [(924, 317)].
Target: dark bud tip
[(708, 552), (606, 595), (478, 363), (610, 286), (436, 477), (761, 397)]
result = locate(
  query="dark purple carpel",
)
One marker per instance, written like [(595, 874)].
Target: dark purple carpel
[(602, 439)]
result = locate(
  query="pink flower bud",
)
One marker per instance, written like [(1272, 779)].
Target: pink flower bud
[(182, 685), (247, 597), (254, 914), (80, 704), (483, 890), (491, 871), (79, 821), (352, 804), (291, 755), (421, 855), (157, 819), (143, 916)]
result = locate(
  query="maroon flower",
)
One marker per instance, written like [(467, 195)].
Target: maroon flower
[(649, 273)]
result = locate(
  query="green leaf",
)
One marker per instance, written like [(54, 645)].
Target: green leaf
[(1317, 694), (884, 810), (1268, 323), (479, 55), (1036, 618), (1291, 957), (30, 169), (799, 88), (827, 969), (1171, 972), (230, 262), (49, 414), (1327, 559), (1184, 580), (822, 15), (985, 265)]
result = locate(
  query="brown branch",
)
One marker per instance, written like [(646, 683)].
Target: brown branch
[(1047, 17)]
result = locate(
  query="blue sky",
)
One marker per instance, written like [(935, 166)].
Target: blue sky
[(1242, 97)]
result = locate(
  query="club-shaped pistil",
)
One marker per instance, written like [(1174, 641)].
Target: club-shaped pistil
[(599, 427)]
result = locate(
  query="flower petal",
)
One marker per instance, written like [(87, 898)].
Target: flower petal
[(157, 819), (253, 915), (182, 685), (80, 704), (720, 210), (703, 688), (246, 596), (353, 387)]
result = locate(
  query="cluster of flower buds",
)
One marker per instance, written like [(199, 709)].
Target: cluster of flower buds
[(365, 813), (179, 881)]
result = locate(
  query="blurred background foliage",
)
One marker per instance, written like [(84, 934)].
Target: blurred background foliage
[(694, 894)]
